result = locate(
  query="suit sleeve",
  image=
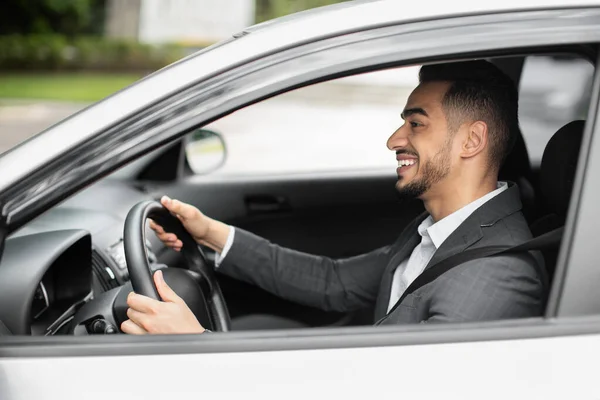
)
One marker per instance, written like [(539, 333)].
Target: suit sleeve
[(502, 287), (321, 282)]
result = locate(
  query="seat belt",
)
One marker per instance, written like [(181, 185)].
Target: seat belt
[(546, 240)]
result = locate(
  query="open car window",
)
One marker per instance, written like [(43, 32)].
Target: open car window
[(339, 125), (310, 134)]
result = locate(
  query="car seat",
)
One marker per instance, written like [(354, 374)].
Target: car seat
[(557, 175)]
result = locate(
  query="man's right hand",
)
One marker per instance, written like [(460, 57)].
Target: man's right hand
[(203, 229)]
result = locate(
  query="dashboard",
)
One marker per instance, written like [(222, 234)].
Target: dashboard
[(66, 256)]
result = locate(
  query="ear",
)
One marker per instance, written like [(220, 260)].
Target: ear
[(476, 139)]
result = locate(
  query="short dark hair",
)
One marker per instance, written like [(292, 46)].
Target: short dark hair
[(479, 91)]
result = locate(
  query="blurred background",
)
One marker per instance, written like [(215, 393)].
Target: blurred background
[(58, 56)]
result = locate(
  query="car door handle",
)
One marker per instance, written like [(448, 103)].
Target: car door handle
[(258, 204)]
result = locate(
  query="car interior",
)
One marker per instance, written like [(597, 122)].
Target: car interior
[(325, 229), (305, 211)]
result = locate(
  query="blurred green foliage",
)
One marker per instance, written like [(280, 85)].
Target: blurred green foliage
[(269, 9), (58, 52), (82, 87), (57, 35), (67, 17)]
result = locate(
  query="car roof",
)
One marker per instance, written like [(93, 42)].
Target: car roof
[(362, 13), (249, 44)]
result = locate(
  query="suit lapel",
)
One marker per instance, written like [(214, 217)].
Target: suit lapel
[(402, 249), (470, 231), (466, 235)]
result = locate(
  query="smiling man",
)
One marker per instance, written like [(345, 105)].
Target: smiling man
[(459, 125)]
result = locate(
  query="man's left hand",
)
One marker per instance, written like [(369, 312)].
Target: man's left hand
[(171, 315)]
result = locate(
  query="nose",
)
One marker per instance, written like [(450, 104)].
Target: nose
[(399, 139)]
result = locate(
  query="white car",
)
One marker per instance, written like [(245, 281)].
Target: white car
[(65, 195)]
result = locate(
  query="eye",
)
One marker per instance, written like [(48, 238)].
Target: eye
[(415, 124)]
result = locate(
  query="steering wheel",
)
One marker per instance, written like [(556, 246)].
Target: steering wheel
[(197, 285)]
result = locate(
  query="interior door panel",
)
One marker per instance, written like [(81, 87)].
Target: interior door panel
[(335, 216)]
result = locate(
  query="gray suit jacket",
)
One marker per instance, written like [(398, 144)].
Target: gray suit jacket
[(507, 286)]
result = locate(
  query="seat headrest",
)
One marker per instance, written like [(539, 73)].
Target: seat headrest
[(558, 167), (517, 163)]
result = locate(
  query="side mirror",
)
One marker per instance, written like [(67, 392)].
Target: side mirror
[(205, 151)]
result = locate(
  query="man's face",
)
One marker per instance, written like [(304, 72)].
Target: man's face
[(422, 144)]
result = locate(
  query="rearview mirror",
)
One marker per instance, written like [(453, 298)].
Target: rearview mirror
[(205, 151)]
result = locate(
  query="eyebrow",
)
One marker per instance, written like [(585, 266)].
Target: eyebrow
[(410, 111)]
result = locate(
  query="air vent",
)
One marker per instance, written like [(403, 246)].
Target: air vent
[(103, 272)]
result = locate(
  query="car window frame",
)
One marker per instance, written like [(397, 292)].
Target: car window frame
[(330, 337), (575, 294)]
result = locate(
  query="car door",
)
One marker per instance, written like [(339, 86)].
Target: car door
[(537, 358)]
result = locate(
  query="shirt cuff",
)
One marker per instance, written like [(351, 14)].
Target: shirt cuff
[(220, 257)]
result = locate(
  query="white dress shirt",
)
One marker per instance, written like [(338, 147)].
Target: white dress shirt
[(219, 257), (432, 237)]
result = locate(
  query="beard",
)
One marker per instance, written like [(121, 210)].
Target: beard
[(434, 171)]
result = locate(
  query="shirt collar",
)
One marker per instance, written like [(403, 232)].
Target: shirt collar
[(441, 230)]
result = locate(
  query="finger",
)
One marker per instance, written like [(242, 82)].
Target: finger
[(181, 210), (164, 290), (140, 319), (156, 227), (172, 238), (142, 303), (132, 328), (167, 237), (165, 201), (175, 245)]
